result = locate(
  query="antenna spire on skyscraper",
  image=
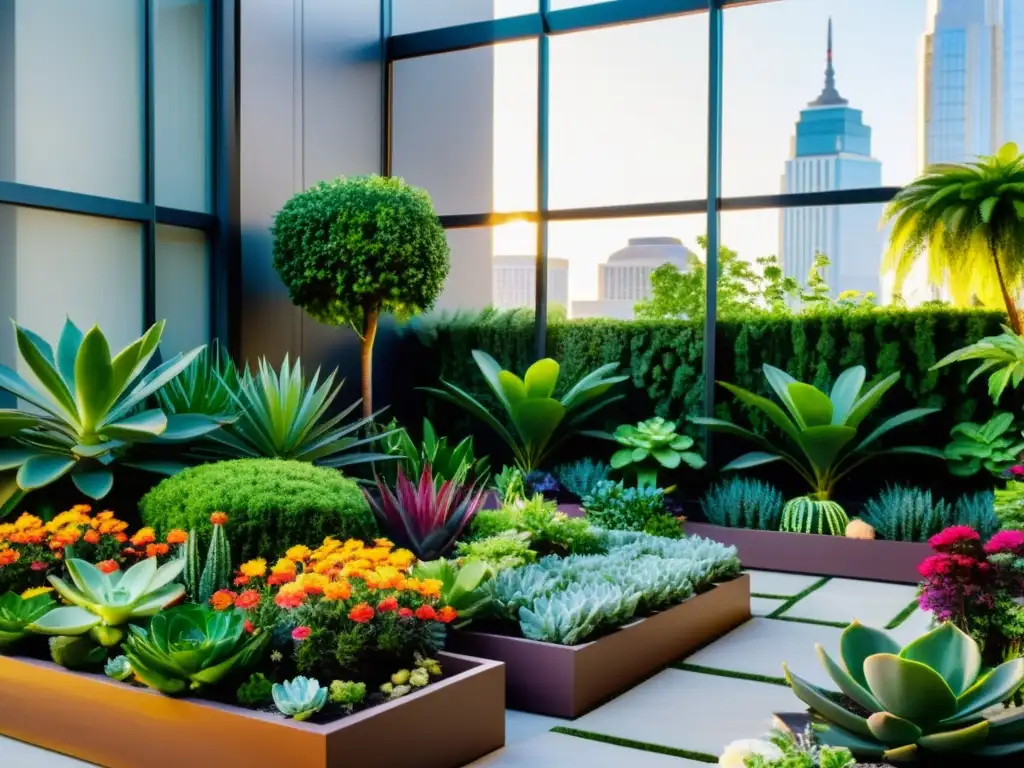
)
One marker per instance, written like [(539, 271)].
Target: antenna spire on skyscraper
[(829, 95)]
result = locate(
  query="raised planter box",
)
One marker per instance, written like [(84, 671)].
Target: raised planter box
[(119, 726), (568, 680), (812, 553)]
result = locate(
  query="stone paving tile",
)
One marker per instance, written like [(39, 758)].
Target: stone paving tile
[(690, 710), (523, 726), (870, 602), (556, 750), (762, 606), (18, 754), (912, 627), (759, 647), (775, 583)]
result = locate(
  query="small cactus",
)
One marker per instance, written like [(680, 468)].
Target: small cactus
[(217, 571), (193, 566)]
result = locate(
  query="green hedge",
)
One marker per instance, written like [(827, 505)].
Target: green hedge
[(665, 359)]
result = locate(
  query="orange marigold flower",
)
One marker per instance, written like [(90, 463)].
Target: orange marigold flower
[(26, 522), (143, 537), (382, 542), (82, 509), (312, 583), (91, 537), (390, 578), (289, 599), (156, 550), (426, 613), (218, 518), (241, 581), (248, 599), (447, 615), (108, 566), (431, 587), (106, 514), (298, 554), (387, 605), (222, 599), (254, 568), (177, 536), (284, 565), (405, 613), (361, 614), (8, 556), (301, 633), (401, 559), (338, 590), (279, 578), (56, 544), (120, 538)]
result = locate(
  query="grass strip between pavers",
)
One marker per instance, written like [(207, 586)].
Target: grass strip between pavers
[(701, 757), (817, 622), (754, 678), (770, 597), (798, 597), (902, 616)]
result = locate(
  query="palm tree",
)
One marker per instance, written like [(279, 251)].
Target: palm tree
[(969, 222)]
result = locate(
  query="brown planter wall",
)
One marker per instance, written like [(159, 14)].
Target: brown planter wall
[(813, 553), (112, 724), (568, 680)]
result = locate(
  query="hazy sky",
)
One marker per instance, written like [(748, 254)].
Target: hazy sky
[(629, 116)]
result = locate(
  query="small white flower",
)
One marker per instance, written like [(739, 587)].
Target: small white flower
[(736, 752), (276, 656)]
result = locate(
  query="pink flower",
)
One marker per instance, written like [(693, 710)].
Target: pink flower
[(950, 537), (300, 633), (935, 565), (1016, 471), (1006, 541)]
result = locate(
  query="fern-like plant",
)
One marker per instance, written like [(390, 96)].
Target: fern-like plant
[(581, 477), (911, 514), (743, 502)]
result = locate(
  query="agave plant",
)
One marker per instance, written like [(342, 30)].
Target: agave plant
[(282, 416), (928, 696), (1003, 355), (88, 412), (300, 698), (102, 603), (190, 646), (205, 387), (540, 422), (991, 446), (460, 585), (650, 445), (822, 427), (17, 612), (424, 518)]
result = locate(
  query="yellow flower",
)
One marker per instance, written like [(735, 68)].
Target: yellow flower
[(352, 544), (338, 590), (298, 554), (431, 587), (313, 583), (387, 543), (329, 546), (390, 578), (292, 588), (283, 566), (376, 554), (254, 568), (6, 529), (401, 558), (27, 521), (35, 592)]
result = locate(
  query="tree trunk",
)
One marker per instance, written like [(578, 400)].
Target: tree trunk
[(1011, 304), (370, 318)]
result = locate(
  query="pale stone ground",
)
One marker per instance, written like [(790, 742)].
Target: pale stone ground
[(682, 711)]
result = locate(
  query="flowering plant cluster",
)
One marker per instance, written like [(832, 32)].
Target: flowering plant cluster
[(345, 610), (31, 549)]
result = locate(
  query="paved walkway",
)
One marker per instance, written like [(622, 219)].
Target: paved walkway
[(686, 714)]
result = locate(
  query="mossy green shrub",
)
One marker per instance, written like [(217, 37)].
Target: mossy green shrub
[(271, 505)]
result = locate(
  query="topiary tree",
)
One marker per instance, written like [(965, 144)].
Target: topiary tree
[(352, 248), (271, 505)]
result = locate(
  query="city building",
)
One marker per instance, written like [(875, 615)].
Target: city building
[(625, 278), (831, 151), (515, 282)]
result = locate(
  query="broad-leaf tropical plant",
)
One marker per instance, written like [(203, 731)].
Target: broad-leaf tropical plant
[(187, 647), (101, 604), (993, 446), (425, 518), (1002, 357), (823, 428), (446, 462), (540, 421), (88, 411), (968, 222), (931, 695), (17, 612), (649, 446)]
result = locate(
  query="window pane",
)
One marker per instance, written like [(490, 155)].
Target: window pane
[(71, 88), (629, 113), (60, 264), (609, 263), (491, 256), (417, 15), (798, 118), (182, 102), (182, 288), (465, 127)]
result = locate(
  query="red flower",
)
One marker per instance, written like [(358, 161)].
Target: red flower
[(1006, 541), (301, 633), (405, 613), (107, 566), (91, 537), (218, 518), (222, 599), (39, 565), (426, 613), (361, 614), (177, 536), (447, 615), (248, 626), (248, 599), (950, 537), (156, 550), (289, 599), (241, 581), (387, 605), (280, 578)]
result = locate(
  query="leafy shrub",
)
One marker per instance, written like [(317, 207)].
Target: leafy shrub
[(615, 507), (508, 549), (993, 446), (911, 514), (269, 502), (743, 502), (1009, 505), (581, 477), (510, 484), (550, 531), (665, 526)]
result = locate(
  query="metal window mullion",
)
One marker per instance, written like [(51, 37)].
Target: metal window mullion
[(387, 87), (714, 196), (543, 169), (149, 179)]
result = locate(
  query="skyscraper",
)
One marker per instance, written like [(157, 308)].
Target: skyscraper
[(972, 79), (832, 150)]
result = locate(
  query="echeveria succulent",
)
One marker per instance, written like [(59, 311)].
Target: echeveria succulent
[(651, 445), (118, 668), (17, 613), (300, 698), (930, 695)]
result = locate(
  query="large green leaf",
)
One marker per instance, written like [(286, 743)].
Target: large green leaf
[(893, 731), (866, 404), (668, 458), (994, 686), (857, 643), (183, 427), (466, 401), (825, 707), (13, 383), (844, 680), (95, 484), (779, 381), (963, 740), (13, 421), (152, 382), (43, 469), (67, 352), (770, 409), (898, 420), (140, 425), (541, 378), (12, 458), (953, 654), (490, 369), (512, 387), (39, 357), (909, 689), (838, 738), (93, 379), (845, 391), (593, 385), (752, 459), (822, 444), (66, 620), (537, 419), (811, 403)]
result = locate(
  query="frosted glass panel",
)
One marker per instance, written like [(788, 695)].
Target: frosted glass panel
[(182, 288), (71, 95), (182, 104)]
